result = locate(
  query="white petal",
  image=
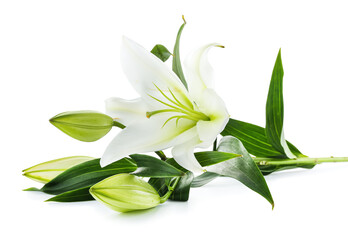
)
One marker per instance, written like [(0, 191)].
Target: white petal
[(213, 106), (147, 135), (184, 156), (126, 111), (209, 130), (198, 70), (145, 71)]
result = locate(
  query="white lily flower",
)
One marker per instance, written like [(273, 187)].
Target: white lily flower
[(166, 114)]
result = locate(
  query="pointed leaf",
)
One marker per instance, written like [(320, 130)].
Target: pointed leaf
[(78, 195), (295, 151), (209, 158), (242, 169), (203, 179), (177, 68), (254, 139), (161, 52), (149, 166), (86, 174), (275, 110)]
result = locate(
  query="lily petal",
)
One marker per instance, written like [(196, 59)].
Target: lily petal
[(146, 135), (184, 155), (146, 73), (198, 70), (126, 111), (214, 107)]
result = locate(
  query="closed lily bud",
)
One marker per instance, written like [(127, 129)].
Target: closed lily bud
[(125, 193), (87, 126), (46, 171)]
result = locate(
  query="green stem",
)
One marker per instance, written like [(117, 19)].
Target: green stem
[(118, 124), (170, 190), (161, 155), (304, 161)]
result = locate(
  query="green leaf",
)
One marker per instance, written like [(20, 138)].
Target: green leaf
[(86, 126), (275, 110), (149, 166), (242, 169), (172, 162), (295, 151), (254, 139), (182, 190), (161, 52), (78, 195), (176, 56), (160, 184), (209, 158), (203, 179), (46, 171), (86, 174)]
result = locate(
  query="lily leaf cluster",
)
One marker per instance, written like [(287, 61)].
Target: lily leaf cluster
[(177, 109), (269, 144)]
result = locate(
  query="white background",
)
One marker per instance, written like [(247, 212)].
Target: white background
[(57, 56)]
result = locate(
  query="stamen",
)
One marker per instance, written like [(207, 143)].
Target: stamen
[(150, 114), (177, 104), (163, 102), (181, 105), (177, 119), (189, 112)]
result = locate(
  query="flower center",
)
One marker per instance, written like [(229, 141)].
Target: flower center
[(176, 106)]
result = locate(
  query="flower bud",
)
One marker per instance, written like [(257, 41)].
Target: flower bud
[(125, 193), (87, 126), (46, 171)]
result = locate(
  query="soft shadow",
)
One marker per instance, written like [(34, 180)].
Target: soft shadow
[(288, 173), (165, 208), (138, 213), (320, 169)]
